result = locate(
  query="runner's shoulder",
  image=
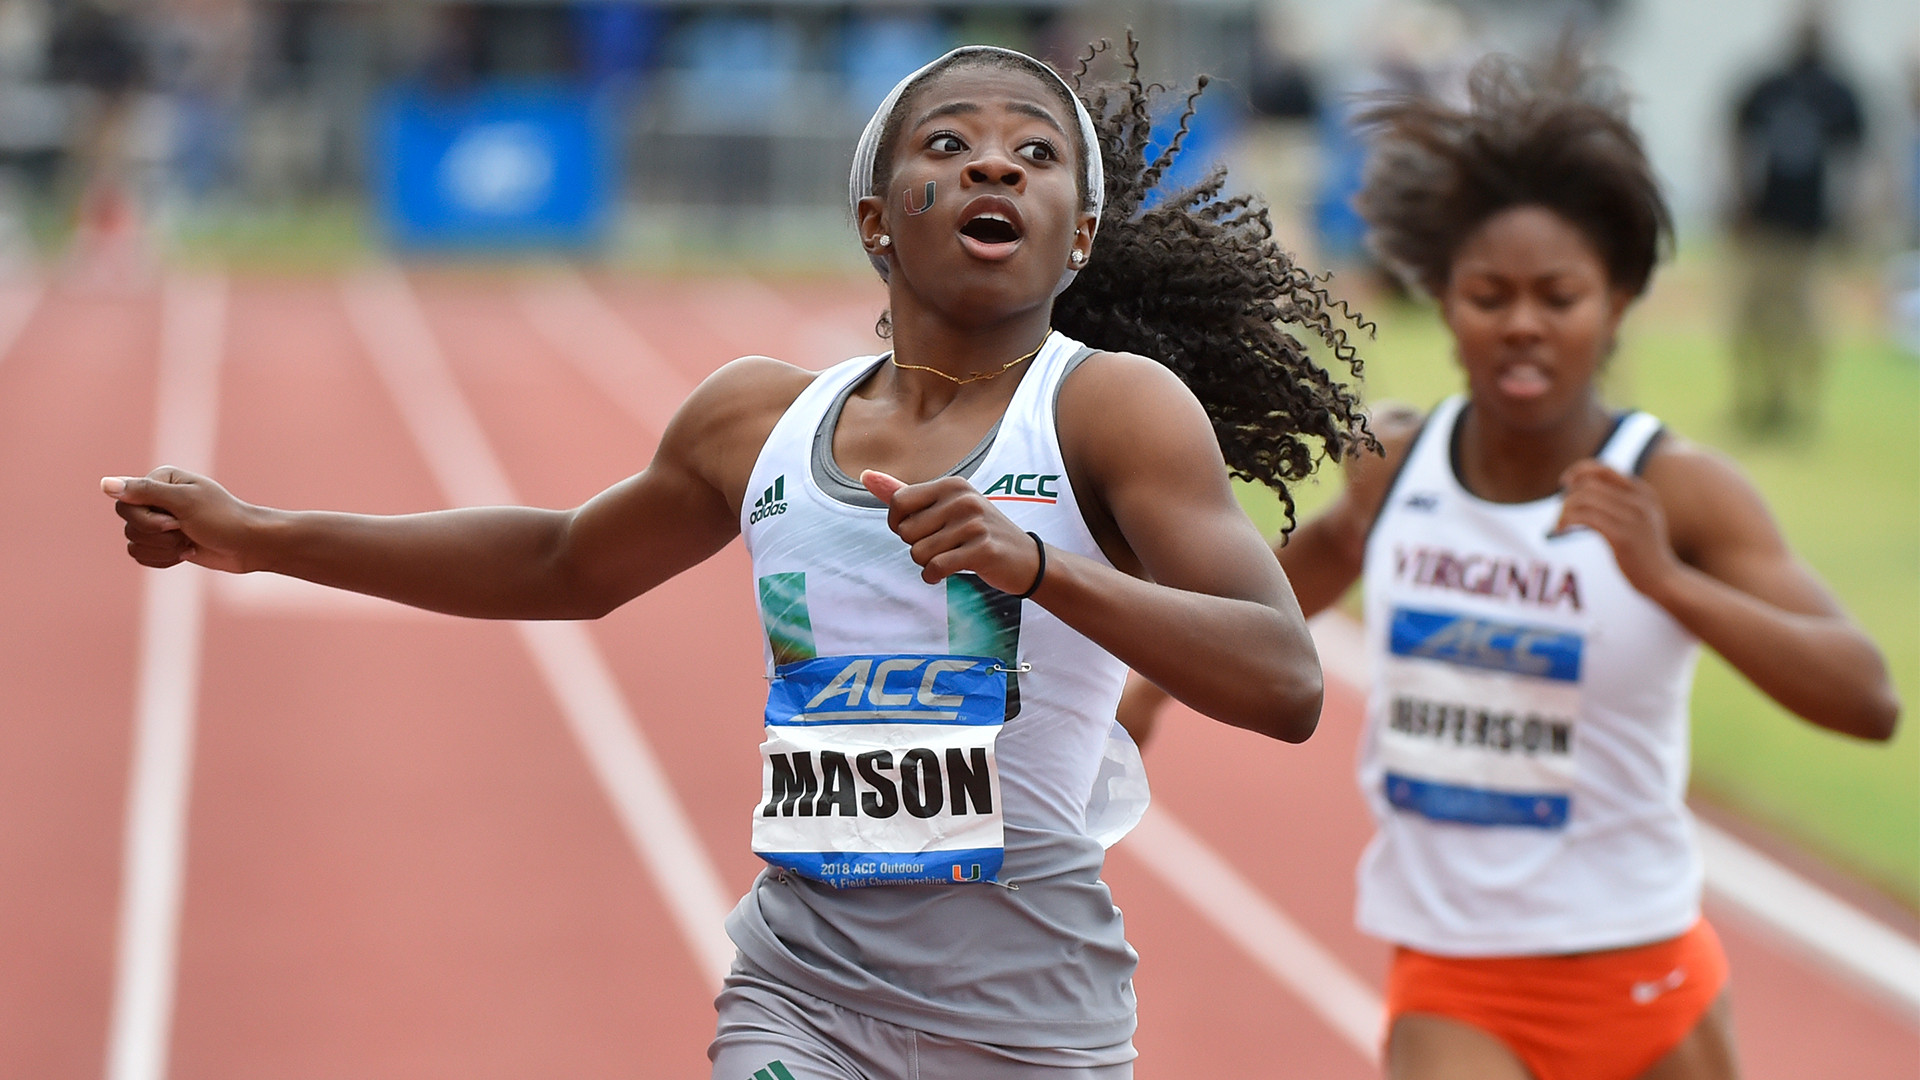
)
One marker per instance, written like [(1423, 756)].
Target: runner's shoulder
[(745, 396), (1114, 388), (1708, 498)]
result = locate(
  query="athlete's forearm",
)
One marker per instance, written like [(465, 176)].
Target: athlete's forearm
[(1819, 667), (1242, 662), (497, 562)]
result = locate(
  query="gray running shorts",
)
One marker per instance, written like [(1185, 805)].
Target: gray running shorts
[(769, 1033)]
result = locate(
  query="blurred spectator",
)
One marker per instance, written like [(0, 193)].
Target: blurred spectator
[(96, 50), (1417, 47), (1794, 130), (32, 122), (883, 48), (201, 50), (1278, 150)]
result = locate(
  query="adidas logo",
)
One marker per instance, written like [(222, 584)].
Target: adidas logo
[(772, 501), (775, 1070)]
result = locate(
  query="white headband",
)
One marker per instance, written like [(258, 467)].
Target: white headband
[(860, 182)]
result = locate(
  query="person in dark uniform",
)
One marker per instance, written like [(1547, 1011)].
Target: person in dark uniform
[(1794, 129)]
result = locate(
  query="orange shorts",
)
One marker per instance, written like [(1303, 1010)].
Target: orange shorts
[(1589, 1016)]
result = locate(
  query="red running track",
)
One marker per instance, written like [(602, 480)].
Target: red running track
[(398, 861)]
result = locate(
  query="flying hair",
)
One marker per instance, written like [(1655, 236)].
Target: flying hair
[(1552, 134), (1195, 280)]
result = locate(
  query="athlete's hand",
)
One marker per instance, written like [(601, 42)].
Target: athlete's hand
[(1626, 511), (951, 527), (173, 516)]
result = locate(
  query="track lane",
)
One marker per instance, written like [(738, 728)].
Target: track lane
[(401, 865), (342, 922), (76, 403)]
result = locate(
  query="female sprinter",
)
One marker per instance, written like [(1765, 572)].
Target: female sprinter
[(945, 653), (1538, 568)]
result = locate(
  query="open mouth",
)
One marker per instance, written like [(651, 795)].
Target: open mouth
[(991, 228), (1522, 380)]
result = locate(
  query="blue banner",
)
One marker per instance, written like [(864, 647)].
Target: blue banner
[(502, 167)]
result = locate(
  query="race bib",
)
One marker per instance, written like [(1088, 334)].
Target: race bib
[(1481, 720), (880, 770)]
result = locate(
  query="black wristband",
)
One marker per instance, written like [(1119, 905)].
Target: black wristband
[(1040, 574)]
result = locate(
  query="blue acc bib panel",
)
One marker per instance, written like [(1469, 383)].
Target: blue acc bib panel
[(880, 770)]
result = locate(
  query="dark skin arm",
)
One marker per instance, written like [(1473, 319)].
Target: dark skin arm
[(1323, 557), (500, 561), (1696, 538), (1198, 604)]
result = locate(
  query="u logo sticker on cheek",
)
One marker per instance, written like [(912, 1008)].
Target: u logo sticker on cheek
[(906, 198)]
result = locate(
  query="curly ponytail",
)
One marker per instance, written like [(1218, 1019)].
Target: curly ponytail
[(1197, 282)]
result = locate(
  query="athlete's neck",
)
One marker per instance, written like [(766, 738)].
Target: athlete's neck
[(973, 352), (1509, 464)]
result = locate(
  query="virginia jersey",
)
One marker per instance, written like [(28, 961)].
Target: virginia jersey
[(1525, 754)]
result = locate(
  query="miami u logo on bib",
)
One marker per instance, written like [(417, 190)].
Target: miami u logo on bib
[(880, 770)]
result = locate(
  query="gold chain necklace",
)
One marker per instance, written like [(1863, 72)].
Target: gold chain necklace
[(978, 376)]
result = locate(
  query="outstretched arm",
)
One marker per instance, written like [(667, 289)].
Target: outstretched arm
[(1696, 538), (499, 561)]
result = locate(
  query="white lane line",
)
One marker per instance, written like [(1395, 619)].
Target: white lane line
[(1790, 907), (1812, 919), (153, 867), (1185, 864), (586, 330), (384, 311), (18, 299)]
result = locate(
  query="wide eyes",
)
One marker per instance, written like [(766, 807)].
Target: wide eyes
[(1040, 150), (946, 142)]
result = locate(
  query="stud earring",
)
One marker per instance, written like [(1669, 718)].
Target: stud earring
[(1078, 258), (883, 240)]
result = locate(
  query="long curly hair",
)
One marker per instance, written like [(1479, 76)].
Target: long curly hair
[(1553, 134), (1196, 281)]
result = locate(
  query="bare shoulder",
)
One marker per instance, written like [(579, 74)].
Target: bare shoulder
[(718, 432), (1117, 378), (745, 388), (1709, 501), (1395, 424)]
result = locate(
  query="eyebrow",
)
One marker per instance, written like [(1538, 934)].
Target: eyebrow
[(968, 108)]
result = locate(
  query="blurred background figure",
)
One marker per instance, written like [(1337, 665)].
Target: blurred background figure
[(1278, 153), (97, 50), (1796, 131)]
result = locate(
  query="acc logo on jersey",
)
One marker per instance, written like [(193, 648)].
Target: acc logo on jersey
[(1025, 487)]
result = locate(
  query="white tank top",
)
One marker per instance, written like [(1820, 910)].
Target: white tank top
[(1525, 755), (948, 745)]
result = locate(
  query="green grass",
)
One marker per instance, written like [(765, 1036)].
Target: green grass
[(1848, 498)]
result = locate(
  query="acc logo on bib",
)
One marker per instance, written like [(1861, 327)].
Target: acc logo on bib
[(880, 770), (1481, 719)]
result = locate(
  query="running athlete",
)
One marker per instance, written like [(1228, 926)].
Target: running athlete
[(947, 634), (1538, 570)]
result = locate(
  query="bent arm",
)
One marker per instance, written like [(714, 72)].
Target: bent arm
[(1712, 556), (1211, 619), (1324, 556)]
